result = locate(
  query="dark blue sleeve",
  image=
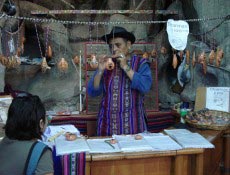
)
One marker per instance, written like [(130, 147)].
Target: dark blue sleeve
[(93, 92), (142, 79)]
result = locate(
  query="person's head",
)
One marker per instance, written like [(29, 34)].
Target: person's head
[(119, 40), (26, 118)]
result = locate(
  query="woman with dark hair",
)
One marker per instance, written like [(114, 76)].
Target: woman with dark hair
[(20, 148)]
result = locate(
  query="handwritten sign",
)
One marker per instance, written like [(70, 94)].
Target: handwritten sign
[(177, 33), (217, 98)]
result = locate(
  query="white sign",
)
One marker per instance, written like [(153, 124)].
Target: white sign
[(217, 98), (177, 33)]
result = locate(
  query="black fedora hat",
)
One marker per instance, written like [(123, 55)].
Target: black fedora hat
[(119, 32)]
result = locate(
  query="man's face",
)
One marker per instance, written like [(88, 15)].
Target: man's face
[(119, 45)]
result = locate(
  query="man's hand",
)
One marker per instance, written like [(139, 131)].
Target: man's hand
[(102, 59), (121, 59)]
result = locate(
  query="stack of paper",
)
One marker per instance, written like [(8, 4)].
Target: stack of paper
[(172, 132), (102, 146), (188, 139), (162, 143), (52, 132), (64, 146), (128, 143)]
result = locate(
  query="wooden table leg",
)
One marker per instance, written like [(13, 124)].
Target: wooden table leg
[(199, 164), (181, 165)]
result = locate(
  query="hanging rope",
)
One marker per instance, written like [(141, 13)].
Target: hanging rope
[(42, 20)]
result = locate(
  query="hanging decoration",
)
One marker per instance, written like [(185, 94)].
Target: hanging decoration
[(193, 59), (201, 57), (175, 61), (178, 31), (204, 65), (219, 56), (49, 52), (154, 53), (63, 65), (20, 49), (211, 57), (10, 46), (76, 60), (187, 57), (44, 65), (163, 50), (181, 54)]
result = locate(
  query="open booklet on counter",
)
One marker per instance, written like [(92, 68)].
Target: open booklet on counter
[(148, 142), (102, 146), (188, 139), (64, 146)]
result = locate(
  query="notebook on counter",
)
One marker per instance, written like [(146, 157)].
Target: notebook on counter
[(64, 146), (189, 139)]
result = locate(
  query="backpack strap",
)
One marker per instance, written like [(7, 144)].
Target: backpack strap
[(36, 150)]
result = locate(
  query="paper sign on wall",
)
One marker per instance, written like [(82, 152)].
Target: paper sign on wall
[(217, 98), (177, 33)]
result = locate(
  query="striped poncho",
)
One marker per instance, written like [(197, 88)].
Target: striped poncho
[(122, 108)]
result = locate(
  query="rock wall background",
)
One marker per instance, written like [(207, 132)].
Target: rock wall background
[(60, 91)]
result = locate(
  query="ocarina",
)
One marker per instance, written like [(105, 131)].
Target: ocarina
[(70, 136), (109, 64)]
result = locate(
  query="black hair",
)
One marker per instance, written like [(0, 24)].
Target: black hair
[(24, 115)]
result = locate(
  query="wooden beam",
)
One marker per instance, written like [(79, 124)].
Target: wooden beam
[(37, 12)]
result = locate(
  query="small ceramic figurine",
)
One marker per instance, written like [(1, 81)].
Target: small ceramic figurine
[(63, 65)]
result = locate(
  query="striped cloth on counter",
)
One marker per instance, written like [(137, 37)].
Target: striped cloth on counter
[(71, 164)]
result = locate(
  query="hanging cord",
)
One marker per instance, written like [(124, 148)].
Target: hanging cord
[(90, 39), (46, 44), (41, 20), (67, 39), (39, 44)]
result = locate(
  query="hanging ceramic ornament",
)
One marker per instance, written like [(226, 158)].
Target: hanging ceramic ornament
[(181, 54), (187, 57), (44, 65), (21, 47), (93, 62), (175, 62), (154, 53), (109, 64), (211, 57), (219, 56), (49, 52), (204, 65), (220, 53), (201, 57), (76, 59), (163, 50), (193, 59), (63, 65)]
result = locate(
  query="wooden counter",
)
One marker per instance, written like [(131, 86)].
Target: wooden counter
[(181, 162), (150, 163)]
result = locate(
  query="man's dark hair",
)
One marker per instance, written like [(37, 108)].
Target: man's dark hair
[(24, 115)]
